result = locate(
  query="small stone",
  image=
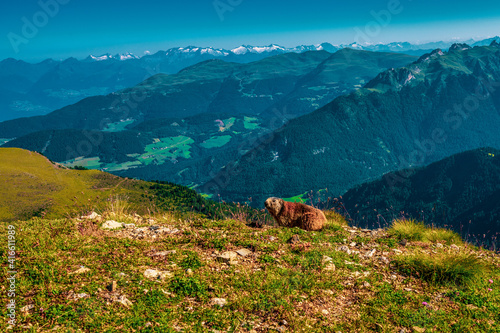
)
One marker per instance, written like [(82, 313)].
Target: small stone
[(294, 240), (164, 253), (155, 274), (384, 259), (244, 252), (148, 324), (112, 287), (121, 275), (366, 284), (345, 249), (418, 329), (403, 242), (284, 322), (272, 238), (154, 227), (455, 247), (111, 224), (189, 271), (91, 216), (124, 300), (370, 254), (228, 257), (324, 311), (327, 259), (218, 301), (352, 244), (75, 297), (28, 307), (80, 270), (397, 251), (439, 245), (129, 225), (330, 267)]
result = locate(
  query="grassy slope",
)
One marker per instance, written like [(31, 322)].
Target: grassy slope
[(33, 186), (278, 287), (379, 286)]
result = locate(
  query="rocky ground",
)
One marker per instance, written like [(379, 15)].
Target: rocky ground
[(191, 274)]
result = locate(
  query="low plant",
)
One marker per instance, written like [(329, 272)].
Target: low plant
[(412, 230), (442, 268)]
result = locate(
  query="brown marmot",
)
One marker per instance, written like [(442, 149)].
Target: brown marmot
[(294, 214)]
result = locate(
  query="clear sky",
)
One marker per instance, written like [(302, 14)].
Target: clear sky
[(33, 30)]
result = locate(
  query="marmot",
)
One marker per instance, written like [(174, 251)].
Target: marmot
[(294, 214)]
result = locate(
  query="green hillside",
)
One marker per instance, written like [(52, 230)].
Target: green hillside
[(219, 110), (33, 186), (461, 191), (440, 105)]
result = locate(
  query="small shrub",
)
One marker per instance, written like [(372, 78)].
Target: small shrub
[(188, 286), (443, 268), (192, 261), (266, 258)]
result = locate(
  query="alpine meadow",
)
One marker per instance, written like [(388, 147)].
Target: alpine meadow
[(231, 166)]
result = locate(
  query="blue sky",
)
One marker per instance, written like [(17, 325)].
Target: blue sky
[(80, 27)]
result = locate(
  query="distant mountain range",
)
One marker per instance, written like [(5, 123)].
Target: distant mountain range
[(35, 89), (461, 192), (442, 104), (186, 126)]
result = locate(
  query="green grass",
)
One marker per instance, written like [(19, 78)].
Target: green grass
[(216, 141), (118, 126), (278, 282), (250, 123), (412, 230), (442, 268), (166, 148), (278, 286)]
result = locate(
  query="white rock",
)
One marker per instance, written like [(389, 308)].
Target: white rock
[(370, 254), (80, 270), (244, 252), (324, 311), (439, 245), (228, 257), (352, 244), (219, 301), (110, 224), (91, 216), (124, 300), (164, 253), (455, 247), (327, 259), (330, 267), (155, 274), (129, 225), (397, 251), (28, 307)]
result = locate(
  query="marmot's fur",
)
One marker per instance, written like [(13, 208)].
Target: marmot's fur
[(294, 214)]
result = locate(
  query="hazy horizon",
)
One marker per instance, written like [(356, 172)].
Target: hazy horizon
[(59, 29)]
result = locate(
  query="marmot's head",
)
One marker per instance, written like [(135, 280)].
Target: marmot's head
[(274, 205)]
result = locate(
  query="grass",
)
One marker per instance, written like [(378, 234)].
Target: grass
[(277, 283), (310, 286), (443, 268), (216, 141), (412, 230)]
